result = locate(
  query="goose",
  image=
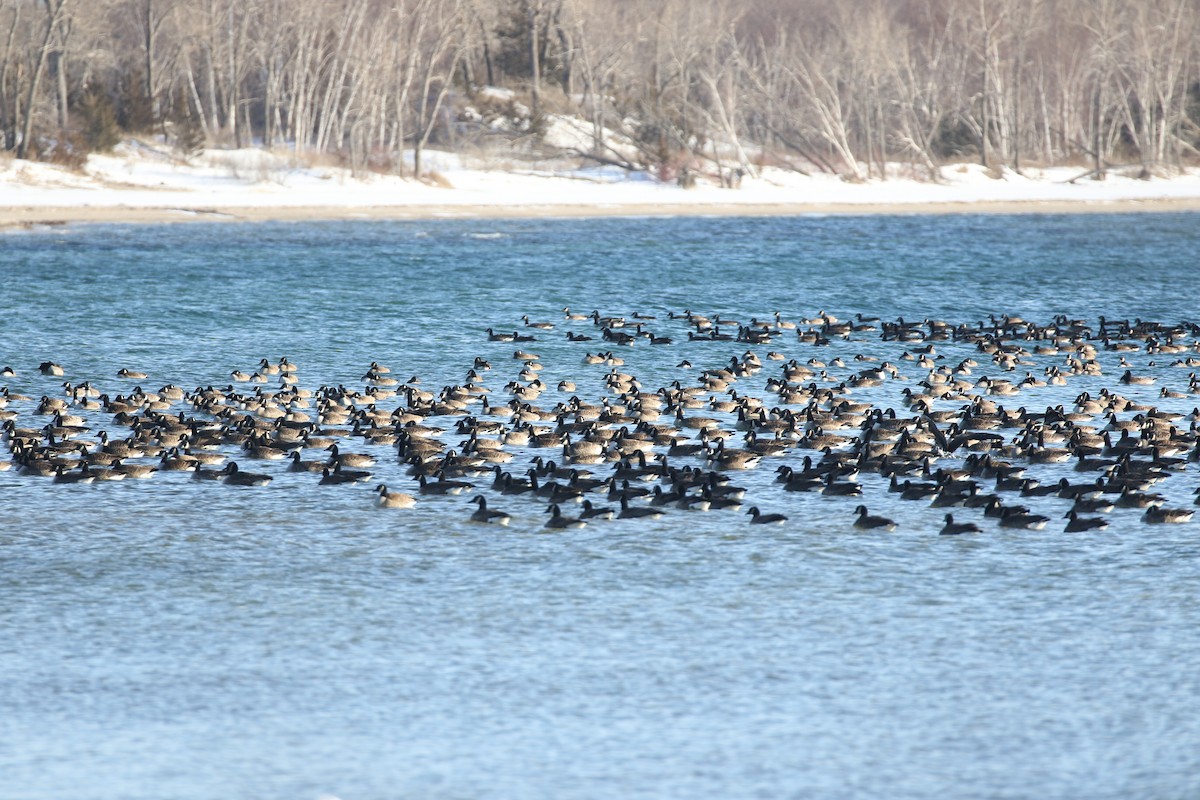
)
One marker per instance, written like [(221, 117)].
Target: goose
[(487, 515), (138, 471), (759, 518), (832, 488), (208, 474), (1085, 505), (388, 499), (558, 521), (337, 476), (107, 474), (442, 486), (50, 368), (867, 521), (637, 512), (235, 477), (1159, 515), (1136, 380), (337, 457), (545, 326), (258, 448), (132, 375), (83, 475), (1012, 518), (174, 461), (590, 511), (1078, 524), (8, 372), (952, 528)]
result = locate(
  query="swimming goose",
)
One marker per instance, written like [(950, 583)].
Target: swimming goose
[(590, 511), (256, 447), (388, 499), (558, 521), (1159, 515), (867, 521), (1013, 518), (1078, 524), (50, 368), (174, 461), (545, 326), (1137, 380), (487, 515), (637, 512), (82, 475), (132, 375), (235, 477), (500, 337), (138, 471), (759, 518), (952, 528), (337, 457)]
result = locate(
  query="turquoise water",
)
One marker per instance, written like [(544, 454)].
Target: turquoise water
[(174, 639)]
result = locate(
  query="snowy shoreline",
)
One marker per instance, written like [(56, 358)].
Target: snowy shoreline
[(140, 183)]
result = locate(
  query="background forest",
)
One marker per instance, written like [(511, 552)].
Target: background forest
[(844, 87)]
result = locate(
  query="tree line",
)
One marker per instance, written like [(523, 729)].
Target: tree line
[(844, 86)]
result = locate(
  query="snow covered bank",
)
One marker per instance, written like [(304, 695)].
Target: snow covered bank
[(139, 178)]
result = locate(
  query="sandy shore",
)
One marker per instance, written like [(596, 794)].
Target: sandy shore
[(17, 217)]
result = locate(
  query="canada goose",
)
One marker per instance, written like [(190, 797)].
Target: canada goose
[(442, 486), (174, 461), (590, 511), (304, 466), (637, 512), (258, 448), (388, 499), (1011, 518), (952, 528), (558, 521), (1085, 505), (50, 368), (1132, 499), (544, 326), (869, 522), (208, 474), (832, 488), (485, 514), (8, 372), (1136, 380), (1077, 523), (759, 518), (138, 471), (132, 375), (235, 477), (83, 475), (500, 337), (1159, 515), (337, 457)]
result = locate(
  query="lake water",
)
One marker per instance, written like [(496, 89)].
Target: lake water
[(170, 638)]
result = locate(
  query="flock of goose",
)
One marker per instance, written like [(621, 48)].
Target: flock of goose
[(811, 402)]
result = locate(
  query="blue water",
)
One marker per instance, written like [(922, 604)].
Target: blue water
[(173, 639)]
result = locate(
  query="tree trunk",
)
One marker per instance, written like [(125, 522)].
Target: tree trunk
[(55, 10)]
